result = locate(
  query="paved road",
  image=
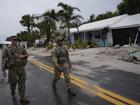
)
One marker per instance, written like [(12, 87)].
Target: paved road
[(40, 92), (123, 83)]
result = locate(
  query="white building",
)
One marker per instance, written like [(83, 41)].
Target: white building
[(101, 31), (5, 44), (125, 29)]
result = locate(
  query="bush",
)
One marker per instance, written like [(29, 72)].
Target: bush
[(79, 44), (73, 46), (91, 44)]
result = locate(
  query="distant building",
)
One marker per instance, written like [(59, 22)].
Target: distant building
[(4, 44), (125, 29), (111, 31)]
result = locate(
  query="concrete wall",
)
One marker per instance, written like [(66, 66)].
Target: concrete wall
[(96, 36), (109, 37)]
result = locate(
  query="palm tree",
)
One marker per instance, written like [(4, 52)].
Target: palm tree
[(42, 27), (76, 24), (92, 18), (67, 16), (28, 21), (23, 36), (52, 14), (48, 25)]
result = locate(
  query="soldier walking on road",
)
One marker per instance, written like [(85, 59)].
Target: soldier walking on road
[(60, 57), (16, 61), (4, 64)]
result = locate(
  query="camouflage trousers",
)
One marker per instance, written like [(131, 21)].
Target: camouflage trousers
[(66, 72), (17, 76)]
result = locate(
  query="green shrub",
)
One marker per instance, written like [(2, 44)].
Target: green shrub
[(79, 44), (91, 44), (74, 46)]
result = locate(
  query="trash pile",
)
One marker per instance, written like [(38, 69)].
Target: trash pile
[(133, 56)]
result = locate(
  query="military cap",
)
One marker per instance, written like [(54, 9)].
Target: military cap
[(59, 38), (15, 38)]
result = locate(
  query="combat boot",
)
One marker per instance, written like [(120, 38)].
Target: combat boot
[(13, 93), (54, 86), (24, 99), (71, 93)]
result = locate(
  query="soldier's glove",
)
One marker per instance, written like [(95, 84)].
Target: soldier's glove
[(21, 56), (58, 68)]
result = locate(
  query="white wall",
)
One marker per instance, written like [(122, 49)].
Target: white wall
[(110, 37), (72, 38)]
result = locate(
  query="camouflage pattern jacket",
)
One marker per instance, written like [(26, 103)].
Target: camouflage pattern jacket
[(60, 56), (11, 56)]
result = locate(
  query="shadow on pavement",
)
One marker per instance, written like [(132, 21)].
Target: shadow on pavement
[(121, 82)]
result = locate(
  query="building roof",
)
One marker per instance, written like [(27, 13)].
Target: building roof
[(118, 22), (127, 22), (101, 24), (97, 25), (73, 30)]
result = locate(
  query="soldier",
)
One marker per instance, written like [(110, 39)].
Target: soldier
[(60, 57), (4, 64), (17, 60)]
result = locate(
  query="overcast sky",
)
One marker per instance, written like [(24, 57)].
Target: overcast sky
[(11, 11)]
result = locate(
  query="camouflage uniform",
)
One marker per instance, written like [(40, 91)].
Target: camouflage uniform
[(60, 57), (16, 68)]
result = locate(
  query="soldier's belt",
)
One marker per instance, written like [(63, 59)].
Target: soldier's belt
[(64, 65)]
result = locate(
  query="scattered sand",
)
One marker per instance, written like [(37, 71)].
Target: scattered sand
[(87, 59), (87, 62)]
